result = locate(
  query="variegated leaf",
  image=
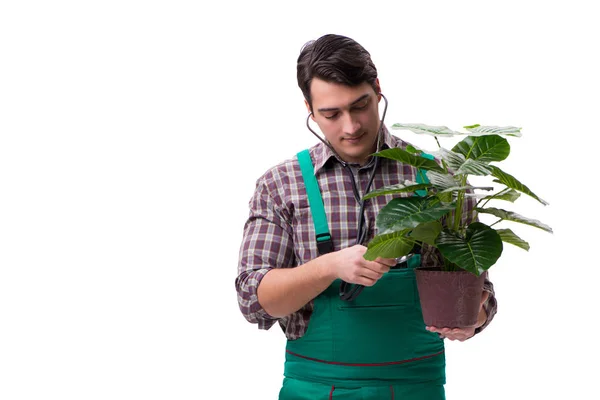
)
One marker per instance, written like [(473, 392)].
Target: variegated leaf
[(478, 130), (453, 160), (506, 194), (473, 167), (395, 189), (467, 187), (442, 180), (427, 129), (513, 216)]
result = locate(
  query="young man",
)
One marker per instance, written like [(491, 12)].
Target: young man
[(375, 346)]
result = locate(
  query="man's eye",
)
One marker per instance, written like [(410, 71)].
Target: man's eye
[(361, 106), (332, 116)]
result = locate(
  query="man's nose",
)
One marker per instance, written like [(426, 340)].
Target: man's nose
[(351, 125)]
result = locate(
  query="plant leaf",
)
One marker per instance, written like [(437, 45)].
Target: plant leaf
[(407, 158), (513, 216), (409, 212), (427, 232), (506, 194), (442, 180), (474, 167), (476, 253), (509, 236), (478, 130), (413, 149), (467, 187), (391, 245), (513, 183), (453, 160), (427, 129), (399, 188), (483, 148)]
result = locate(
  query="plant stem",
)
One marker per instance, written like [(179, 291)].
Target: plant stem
[(500, 220), (459, 205), (492, 197), (443, 161)]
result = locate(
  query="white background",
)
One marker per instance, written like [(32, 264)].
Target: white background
[(131, 137)]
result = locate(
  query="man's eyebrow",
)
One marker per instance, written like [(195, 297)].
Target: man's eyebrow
[(361, 98)]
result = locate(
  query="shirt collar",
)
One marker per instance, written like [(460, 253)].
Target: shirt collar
[(323, 153)]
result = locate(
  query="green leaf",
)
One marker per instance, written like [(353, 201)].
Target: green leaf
[(476, 253), (473, 167), (471, 126), (478, 130), (427, 232), (407, 158), (483, 148), (513, 216), (394, 189), (509, 236), (391, 245), (427, 129), (513, 183), (506, 194), (412, 149), (409, 212)]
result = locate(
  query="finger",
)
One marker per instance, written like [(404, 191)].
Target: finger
[(390, 262), (377, 267), (362, 280), (484, 297), (461, 334), (369, 274)]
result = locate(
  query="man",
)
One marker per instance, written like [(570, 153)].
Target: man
[(375, 346)]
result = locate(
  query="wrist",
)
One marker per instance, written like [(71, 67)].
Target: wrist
[(327, 267)]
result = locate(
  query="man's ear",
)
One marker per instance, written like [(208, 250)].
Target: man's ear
[(309, 110), (378, 89)]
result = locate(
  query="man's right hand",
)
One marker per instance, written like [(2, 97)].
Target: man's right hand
[(350, 266)]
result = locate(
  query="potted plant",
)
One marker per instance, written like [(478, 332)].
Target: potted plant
[(429, 212)]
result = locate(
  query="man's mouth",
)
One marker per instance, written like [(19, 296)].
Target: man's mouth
[(354, 139)]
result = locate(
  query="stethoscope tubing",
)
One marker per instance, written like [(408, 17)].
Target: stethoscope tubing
[(349, 292)]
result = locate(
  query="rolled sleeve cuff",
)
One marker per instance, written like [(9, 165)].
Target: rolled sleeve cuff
[(490, 307), (248, 299)]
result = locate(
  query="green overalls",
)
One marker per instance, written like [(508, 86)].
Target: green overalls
[(374, 347)]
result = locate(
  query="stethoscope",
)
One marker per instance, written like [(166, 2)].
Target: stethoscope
[(348, 291)]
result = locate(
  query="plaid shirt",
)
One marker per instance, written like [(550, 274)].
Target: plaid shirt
[(279, 232)]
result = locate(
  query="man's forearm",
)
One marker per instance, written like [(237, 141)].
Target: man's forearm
[(284, 291)]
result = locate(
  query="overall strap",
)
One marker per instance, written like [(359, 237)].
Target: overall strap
[(324, 242), (422, 175)]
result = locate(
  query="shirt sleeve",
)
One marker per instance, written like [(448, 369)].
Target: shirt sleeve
[(267, 243)]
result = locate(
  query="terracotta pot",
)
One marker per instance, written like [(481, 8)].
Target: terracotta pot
[(449, 299)]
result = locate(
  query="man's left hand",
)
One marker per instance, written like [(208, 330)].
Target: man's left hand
[(463, 334)]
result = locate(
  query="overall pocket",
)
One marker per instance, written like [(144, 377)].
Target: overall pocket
[(397, 288)]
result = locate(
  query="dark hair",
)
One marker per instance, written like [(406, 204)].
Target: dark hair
[(334, 58)]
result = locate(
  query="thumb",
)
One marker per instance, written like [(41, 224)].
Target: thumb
[(484, 298)]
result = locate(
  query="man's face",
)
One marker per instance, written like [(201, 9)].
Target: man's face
[(348, 117)]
